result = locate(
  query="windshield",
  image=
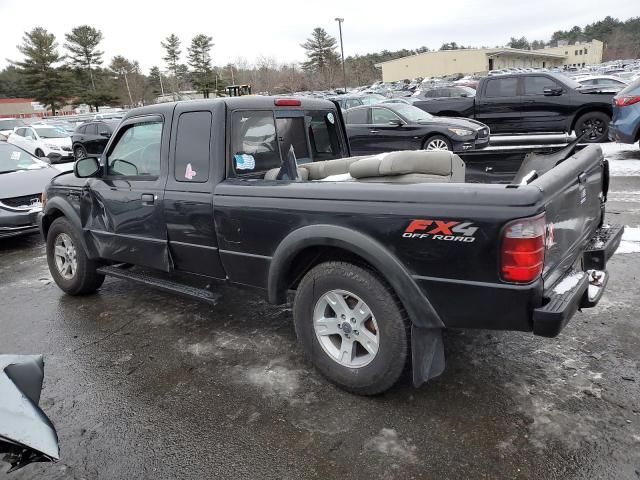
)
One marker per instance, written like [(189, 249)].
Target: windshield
[(50, 132), (13, 158), (411, 113), (11, 124)]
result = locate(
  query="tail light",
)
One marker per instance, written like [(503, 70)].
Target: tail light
[(626, 100), (522, 252)]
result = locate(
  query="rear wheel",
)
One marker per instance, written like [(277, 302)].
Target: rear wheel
[(595, 125), (79, 152), (437, 142), (69, 265), (351, 327)]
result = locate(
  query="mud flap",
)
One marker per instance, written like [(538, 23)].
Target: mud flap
[(427, 354)]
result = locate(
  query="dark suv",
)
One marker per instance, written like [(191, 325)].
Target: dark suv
[(90, 138)]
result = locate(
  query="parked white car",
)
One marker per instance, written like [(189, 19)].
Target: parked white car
[(43, 141), (8, 125), (601, 81)]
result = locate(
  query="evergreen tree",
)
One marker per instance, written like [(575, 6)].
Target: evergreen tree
[(155, 77), (200, 62), (322, 55), (82, 44), (42, 76), (521, 43), (172, 59)]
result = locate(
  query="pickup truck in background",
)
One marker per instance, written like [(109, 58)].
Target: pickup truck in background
[(382, 252), (531, 103)]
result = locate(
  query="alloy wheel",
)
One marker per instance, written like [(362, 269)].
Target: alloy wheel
[(346, 328), (65, 254), (437, 144)]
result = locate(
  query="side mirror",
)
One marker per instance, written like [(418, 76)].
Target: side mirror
[(86, 167), (552, 91), (396, 123)]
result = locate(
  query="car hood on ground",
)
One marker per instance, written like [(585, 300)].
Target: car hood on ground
[(25, 182), (454, 122)]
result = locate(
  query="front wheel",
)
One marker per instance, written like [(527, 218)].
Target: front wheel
[(79, 152), (69, 265), (595, 125), (352, 327), (436, 143)]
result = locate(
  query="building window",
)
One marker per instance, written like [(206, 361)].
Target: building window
[(576, 53), (585, 51), (566, 52)]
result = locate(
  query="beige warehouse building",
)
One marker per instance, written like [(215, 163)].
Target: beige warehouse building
[(481, 60)]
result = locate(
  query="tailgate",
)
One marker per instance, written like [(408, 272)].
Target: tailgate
[(574, 194)]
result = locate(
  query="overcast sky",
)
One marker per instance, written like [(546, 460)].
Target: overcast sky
[(251, 28)]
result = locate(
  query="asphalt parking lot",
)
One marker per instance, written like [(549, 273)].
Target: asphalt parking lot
[(142, 384)]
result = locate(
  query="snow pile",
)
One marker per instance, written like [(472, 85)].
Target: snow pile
[(568, 283), (389, 443), (630, 240)]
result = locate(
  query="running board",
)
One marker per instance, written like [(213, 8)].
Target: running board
[(201, 294)]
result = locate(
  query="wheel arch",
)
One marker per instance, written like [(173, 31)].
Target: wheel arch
[(304, 248), (588, 109), (55, 208)]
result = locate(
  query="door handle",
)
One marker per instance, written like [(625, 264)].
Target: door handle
[(148, 198), (582, 178), (373, 131)]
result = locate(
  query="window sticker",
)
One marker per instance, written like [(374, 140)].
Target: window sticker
[(244, 161), (15, 155), (189, 172), (331, 118)]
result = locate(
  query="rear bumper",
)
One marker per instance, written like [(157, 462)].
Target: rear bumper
[(578, 289)]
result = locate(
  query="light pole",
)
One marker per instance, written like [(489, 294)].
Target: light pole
[(344, 74)]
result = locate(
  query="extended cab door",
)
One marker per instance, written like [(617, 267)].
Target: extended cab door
[(357, 122), (188, 201), (125, 217), (540, 111), (498, 104)]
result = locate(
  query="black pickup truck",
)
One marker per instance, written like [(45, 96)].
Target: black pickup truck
[(383, 252), (531, 103)]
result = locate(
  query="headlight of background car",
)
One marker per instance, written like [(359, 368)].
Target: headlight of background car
[(461, 131), (52, 146)]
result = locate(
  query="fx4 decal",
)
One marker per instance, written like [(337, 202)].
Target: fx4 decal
[(449, 231)]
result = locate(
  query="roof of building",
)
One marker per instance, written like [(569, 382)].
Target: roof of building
[(16, 100)]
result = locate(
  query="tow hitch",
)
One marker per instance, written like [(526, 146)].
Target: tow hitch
[(597, 282)]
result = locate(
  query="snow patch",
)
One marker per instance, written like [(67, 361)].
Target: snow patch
[(388, 443), (568, 283), (630, 242), (274, 381)]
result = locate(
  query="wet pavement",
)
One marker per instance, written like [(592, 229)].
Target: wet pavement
[(142, 384)]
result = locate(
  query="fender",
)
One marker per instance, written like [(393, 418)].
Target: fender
[(57, 203), (420, 310)]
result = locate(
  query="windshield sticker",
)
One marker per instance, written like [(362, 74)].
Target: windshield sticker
[(15, 155), (189, 173), (331, 118), (244, 161), (448, 231)]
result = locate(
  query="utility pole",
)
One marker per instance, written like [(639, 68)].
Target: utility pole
[(344, 74), (161, 85)]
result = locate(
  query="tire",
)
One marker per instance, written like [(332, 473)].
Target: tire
[(39, 153), (437, 142), (81, 278), (79, 152), (363, 373), (597, 123)]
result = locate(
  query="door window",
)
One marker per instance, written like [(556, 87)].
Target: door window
[(21, 132), (103, 130), (356, 117), (536, 85), (136, 152), (91, 129), (82, 129), (352, 102), (501, 87), (254, 146), (192, 158), (382, 116)]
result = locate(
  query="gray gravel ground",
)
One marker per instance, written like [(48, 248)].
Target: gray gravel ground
[(142, 384)]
